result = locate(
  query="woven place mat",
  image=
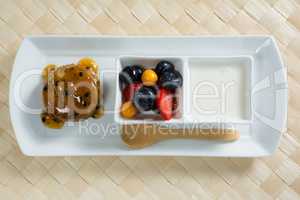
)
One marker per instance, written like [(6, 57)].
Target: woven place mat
[(277, 176)]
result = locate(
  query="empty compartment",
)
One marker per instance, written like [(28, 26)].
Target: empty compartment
[(149, 62), (219, 89)]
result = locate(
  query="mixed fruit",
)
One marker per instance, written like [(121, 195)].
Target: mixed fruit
[(146, 90)]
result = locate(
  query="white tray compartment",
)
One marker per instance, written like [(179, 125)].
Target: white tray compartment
[(219, 89), (151, 62)]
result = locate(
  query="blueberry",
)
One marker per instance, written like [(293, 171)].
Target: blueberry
[(154, 89), (130, 74), (136, 73), (170, 80), (164, 66), (144, 98), (124, 80)]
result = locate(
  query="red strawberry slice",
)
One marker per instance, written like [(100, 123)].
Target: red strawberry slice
[(175, 103), (129, 91), (164, 103)]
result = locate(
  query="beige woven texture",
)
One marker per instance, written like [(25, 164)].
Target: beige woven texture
[(274, 177)]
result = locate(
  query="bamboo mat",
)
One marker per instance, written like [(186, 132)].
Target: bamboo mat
[(277, 176)]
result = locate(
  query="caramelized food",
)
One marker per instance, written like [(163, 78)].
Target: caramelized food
[(71, 92)]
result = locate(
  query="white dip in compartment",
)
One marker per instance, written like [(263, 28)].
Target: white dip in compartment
[(219, 89)]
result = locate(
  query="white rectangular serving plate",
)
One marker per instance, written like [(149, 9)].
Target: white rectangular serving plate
[(261, 125)]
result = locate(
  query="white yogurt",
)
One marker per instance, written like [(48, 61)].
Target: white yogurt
[(220, 89)]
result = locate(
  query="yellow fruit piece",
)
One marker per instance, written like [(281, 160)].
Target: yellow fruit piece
[(88, 62), (149, 77), (128, 110)]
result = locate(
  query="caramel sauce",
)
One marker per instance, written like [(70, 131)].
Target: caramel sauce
[(71, 92)]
